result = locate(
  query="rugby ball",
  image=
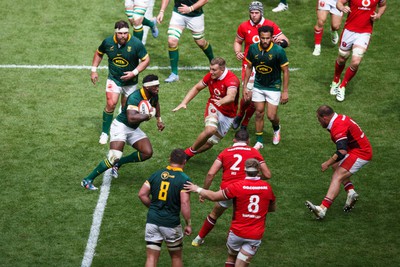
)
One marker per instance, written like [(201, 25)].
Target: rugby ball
[(146, 108)]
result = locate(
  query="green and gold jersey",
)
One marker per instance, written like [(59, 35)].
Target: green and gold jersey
[(194, 13), (132, 102), (267, 64), (165, 188), (122, 58)]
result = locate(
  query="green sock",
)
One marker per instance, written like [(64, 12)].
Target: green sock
[(107, 120), (147, 22), (102, 167), (208, 51), (283, 2), (259, 137), (174, 58), (138, 32), (134, 157)]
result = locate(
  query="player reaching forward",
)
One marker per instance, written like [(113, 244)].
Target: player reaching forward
[(231, 160)]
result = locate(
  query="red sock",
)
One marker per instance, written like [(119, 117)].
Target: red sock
[(229, 264), (348, 76), (327, 202), (190, 152), (318, 35), (243, 107), (349, 185), (338, 71), (208, 225), (249, 113)]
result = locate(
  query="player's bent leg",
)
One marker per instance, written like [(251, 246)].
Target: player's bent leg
[(243, 259), (144, 148)]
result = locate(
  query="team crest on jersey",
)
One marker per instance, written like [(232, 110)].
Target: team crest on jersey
[(129, 49), (217, 93), (255, 39), (270, 56), (112, 48), (263, 69), (120, 62), (165, 175)]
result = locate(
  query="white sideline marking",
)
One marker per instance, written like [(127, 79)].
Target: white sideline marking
[(77, 67), (97, 218)]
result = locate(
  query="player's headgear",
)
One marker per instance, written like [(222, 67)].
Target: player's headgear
[(256, 5)]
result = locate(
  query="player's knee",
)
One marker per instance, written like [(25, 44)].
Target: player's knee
[(358, 52), (114, 155), (175, 246), (213, 140), (211, 121), (271, 117), (154, 246), (344, 54), (146, 154), (199, 37), (243, 257), (174, 34)]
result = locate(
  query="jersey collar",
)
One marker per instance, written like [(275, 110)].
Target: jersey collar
[(267, 50), (223, 74), (253, 178), (177, 169), (115, 38), (260, 23), (240, 144), (331, 121), (143, 93)]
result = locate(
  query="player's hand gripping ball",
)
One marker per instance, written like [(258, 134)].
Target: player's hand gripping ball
[(146, 108)]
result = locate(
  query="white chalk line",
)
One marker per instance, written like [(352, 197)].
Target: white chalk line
[(77, 67), (97, 219)]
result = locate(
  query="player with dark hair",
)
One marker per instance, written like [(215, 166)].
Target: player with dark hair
[(125, 129), (186, 14), (252, 198), (353, 151), (270, 61), (232, 162), (221, 107), (355, 38), (247, 33), (135, 11), (127, 57), (164, 195)]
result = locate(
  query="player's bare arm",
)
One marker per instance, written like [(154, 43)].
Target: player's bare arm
[(190, 95), (229, 98), (207, 194), (185, 210), (285, 85), (246, 92), (341, 6), (237, 47), (144, 194), (184, 9), (160, 16), (97, 58), (381, 10), (142, 66)]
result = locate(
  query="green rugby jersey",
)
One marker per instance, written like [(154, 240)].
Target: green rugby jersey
[(194, 13), (124, 58), (134, 100), (165, 188), (267, 64)]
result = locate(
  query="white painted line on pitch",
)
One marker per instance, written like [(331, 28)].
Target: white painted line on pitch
[(77, 67), (97, 218)]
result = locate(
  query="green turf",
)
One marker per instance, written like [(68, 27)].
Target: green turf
[(51, 121)]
